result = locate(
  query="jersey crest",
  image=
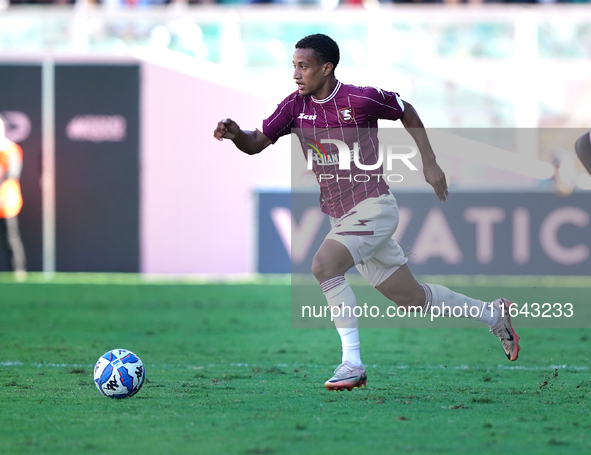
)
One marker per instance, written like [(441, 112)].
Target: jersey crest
[(347, 114)]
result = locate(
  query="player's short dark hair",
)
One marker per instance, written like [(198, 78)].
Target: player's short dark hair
[(325, 48)]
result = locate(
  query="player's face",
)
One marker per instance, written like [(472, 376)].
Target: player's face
[(311, 76)]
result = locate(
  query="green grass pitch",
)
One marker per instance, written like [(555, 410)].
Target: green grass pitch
[(226, 374)]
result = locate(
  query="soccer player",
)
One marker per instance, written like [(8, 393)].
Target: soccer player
[(363, 214)]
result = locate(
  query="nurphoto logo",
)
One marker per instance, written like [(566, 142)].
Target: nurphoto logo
[(387, 155)]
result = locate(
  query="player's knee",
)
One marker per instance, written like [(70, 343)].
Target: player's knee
[(323, 267)]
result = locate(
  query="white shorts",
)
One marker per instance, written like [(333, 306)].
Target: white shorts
[(366, 230)]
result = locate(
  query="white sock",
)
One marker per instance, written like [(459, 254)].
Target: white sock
[(338, 293), (445, 301)]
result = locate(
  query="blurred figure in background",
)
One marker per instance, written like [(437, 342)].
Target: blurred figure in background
[(11, 202)]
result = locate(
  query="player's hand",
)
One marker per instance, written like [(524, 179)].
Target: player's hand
[(436, 178), (226, 129)]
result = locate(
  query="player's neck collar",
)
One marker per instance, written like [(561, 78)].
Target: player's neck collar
[(329, 97)]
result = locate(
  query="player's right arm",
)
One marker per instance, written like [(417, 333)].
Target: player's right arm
[(583, 149), (250, 142), (433, 174)]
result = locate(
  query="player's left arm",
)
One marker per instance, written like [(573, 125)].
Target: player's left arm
[(433, 173)]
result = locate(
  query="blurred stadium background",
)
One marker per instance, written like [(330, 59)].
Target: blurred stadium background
[(114, 105)]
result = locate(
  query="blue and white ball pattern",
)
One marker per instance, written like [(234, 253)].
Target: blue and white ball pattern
[(119, 374)]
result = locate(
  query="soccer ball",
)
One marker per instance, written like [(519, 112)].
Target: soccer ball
[(119, 374)]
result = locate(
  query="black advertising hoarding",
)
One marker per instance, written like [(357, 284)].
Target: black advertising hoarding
[(97, 175), (20, 105)]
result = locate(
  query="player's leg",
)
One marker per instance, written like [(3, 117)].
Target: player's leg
[(386, 269), (330, 263), (331, 259), (18, 259), (360, 232), (384, 266), (402, 288)]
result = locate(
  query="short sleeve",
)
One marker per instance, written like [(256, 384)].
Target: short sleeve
[(281, 121), (383, 104)]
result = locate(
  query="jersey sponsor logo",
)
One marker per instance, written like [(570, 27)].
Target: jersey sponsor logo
[(330, 160), (321, 157), (347, 114), (317, 146), (304, 116)]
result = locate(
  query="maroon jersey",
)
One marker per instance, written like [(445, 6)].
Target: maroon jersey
[(350, 114)]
